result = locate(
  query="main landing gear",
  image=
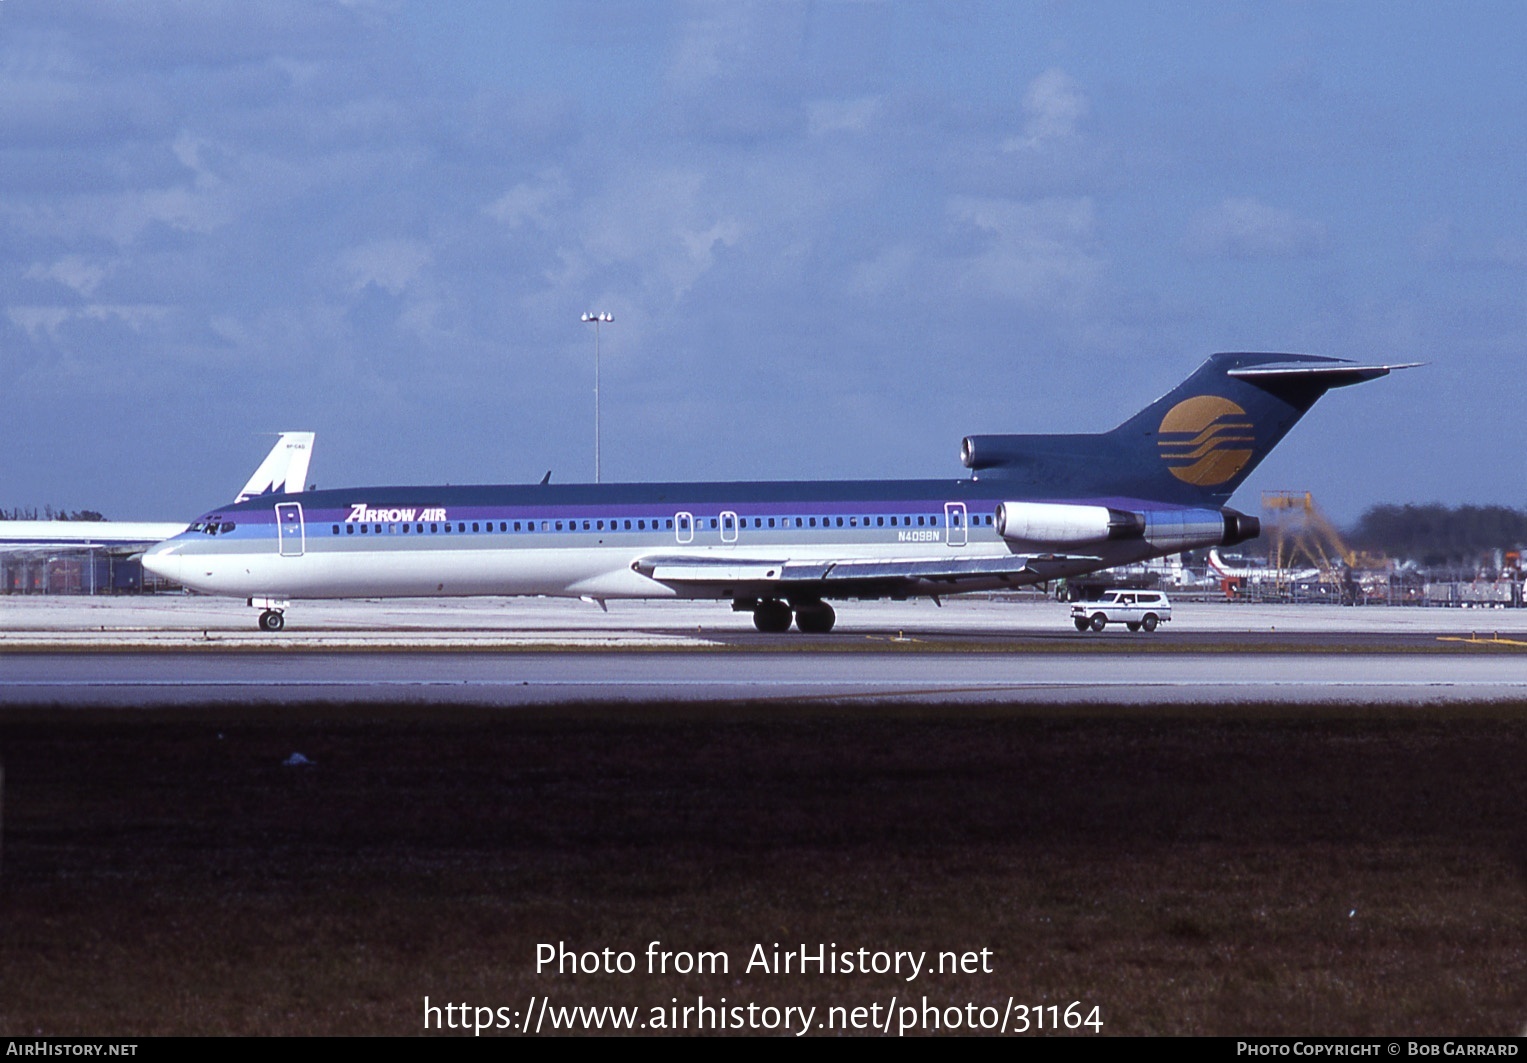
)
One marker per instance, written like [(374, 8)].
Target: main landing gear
[(773, 616)]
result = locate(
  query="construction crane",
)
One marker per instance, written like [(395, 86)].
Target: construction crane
[(1299, 535)]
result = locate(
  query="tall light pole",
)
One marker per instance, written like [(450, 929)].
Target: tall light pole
[(596, 320)]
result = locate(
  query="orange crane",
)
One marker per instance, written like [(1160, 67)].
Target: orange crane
[(1299, 535)]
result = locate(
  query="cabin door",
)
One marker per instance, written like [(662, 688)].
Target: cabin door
[(954, 523), (290, 533)]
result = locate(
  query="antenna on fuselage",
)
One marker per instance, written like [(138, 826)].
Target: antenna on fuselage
[(546, 479)]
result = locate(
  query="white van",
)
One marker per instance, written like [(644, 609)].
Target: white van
[(1133, 609)]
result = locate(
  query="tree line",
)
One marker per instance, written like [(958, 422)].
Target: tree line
[(48, 513), (1436, 535)]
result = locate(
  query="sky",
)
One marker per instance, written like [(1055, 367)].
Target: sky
[(836, 237)]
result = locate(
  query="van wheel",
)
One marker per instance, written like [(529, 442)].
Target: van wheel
[(1133, 625), (1099, 621), (1149, 622), (1081, 623)]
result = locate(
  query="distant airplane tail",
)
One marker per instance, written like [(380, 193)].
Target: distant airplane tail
[(1193, 446), (285, 468), (1224, 570)]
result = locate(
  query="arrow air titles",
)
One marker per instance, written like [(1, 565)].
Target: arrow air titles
[(359, 512)]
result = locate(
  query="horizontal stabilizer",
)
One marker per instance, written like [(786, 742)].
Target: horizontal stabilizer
[(1328, 375)]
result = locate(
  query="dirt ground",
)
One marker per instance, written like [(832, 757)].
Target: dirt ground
[(1180, 870)]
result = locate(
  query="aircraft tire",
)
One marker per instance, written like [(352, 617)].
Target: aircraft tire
[(272, 620), (1099, 621), (815, 619), (1133, 625), (1081, 623), (771, 617), (1149, 622)]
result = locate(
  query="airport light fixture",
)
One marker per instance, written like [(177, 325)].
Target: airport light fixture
[(596, 320)]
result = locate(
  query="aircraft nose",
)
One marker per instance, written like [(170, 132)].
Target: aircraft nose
[(164, 561)]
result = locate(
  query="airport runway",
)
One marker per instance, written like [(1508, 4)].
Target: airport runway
[(533, 678), (155, 620), (183, 651)]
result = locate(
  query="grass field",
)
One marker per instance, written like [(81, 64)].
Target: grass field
[(1188, 871)]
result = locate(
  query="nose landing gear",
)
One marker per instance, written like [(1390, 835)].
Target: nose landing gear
[(273, 613)]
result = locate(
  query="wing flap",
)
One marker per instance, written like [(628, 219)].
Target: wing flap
[(704, 570), (848, 571)]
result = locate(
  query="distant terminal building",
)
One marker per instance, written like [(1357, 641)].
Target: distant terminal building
[(78, 556), (93, 556)]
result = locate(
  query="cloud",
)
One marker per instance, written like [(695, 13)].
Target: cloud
[(841, 116), (1247, 228), (888, 271), (530, 201), (76, 272), (49, 321), (1054, 107), (715, 44), (287, 201), (391, 265), (664, 225), (1044, 253), (39, 321)]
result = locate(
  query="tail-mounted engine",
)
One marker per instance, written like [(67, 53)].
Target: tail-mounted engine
[(1062, 522), (1072, 524)]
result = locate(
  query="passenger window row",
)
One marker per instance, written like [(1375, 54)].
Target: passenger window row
[(630, 524), (467, 527)]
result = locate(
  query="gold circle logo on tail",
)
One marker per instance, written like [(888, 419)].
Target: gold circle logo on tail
[(1206, 440)]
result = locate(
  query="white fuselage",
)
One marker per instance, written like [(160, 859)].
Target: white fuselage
[(665, 541)]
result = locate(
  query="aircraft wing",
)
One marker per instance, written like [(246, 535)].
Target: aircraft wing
[(781, 576)]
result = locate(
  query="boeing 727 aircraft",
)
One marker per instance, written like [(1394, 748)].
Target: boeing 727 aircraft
[(1036, 508)]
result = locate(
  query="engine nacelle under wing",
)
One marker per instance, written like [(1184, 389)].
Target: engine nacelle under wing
[(1065, 522)]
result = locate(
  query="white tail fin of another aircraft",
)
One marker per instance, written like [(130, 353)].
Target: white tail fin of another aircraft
[(285, 468)]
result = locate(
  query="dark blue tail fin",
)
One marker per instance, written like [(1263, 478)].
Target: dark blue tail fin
[(1193, 446)]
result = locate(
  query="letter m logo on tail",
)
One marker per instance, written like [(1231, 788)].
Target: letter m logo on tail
[(285, 468)]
